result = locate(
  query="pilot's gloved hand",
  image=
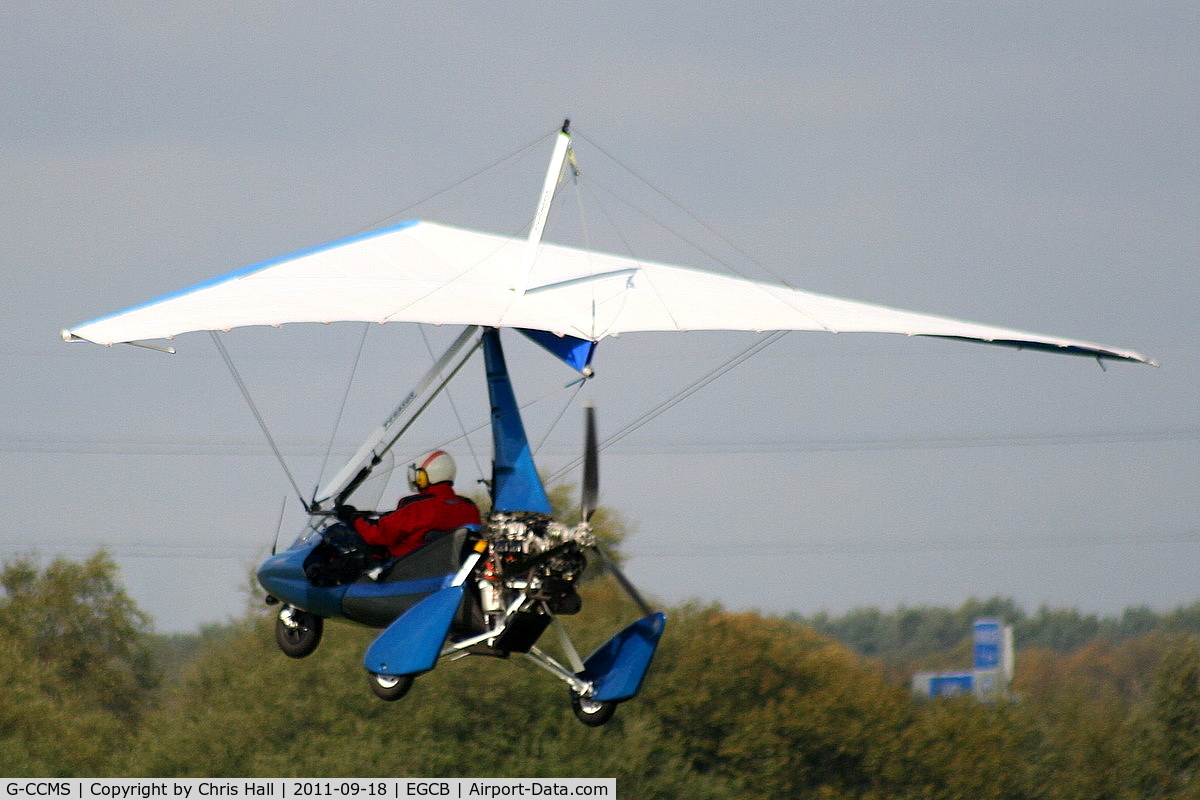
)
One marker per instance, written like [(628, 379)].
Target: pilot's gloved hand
[(346, 514)]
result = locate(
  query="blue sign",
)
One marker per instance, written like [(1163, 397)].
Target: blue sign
[(987, 644), (951, 684)]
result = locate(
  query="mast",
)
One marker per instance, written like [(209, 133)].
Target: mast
[(562, 144)]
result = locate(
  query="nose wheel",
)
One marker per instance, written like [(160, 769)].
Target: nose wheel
[(298, 632)]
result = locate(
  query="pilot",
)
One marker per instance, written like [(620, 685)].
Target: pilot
[(434, 507)]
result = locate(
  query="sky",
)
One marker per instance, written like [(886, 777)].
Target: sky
[(1029, 165)]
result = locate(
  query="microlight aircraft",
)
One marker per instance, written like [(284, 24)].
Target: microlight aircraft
[(496, 590)]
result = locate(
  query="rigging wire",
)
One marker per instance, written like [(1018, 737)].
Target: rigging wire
[(715, 373), (678, 397), (262, 423), (462, 427), (519, 153), (337, 423), (562, 413), (511, 158), (684, 210), (279, 525), (467, 434), (700, 383)]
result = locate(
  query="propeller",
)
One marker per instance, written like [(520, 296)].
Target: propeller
[(591, 495), (591, 464)]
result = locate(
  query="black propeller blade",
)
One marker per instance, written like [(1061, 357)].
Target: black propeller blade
[(591, 496), (626, 584), (591, 465)]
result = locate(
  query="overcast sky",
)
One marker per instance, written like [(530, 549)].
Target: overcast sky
[(1032, 165)]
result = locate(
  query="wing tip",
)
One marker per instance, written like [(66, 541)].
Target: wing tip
[(1099, 352)]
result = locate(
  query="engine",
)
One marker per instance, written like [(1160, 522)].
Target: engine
[(531, 553)]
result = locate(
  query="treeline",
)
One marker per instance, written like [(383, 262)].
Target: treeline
[(736, 706), (933, 638)]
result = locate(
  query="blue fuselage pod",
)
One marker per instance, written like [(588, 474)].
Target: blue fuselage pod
[(283, 576), (376, 598)]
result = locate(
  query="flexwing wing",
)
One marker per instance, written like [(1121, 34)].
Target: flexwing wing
[(427, 272)]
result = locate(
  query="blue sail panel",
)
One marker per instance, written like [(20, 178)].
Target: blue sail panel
[(516, 485), (575, 353)]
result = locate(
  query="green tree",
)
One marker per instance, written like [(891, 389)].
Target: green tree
[(75, 659), (77, 621), (772, 707), (958, 748), (1077, 705), (1170, 741)]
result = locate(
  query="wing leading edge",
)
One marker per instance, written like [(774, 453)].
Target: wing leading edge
[(428, 272)]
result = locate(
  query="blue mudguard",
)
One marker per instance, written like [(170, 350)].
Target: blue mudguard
[(617, 668), (413, 642)]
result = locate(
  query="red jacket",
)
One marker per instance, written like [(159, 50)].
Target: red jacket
[(434, 508)]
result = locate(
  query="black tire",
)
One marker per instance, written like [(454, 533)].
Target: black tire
[(590, 712), (298, 632), (390, 687)]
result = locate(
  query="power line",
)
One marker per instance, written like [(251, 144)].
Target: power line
[(178, 446), (915, 442), (135, 551), (881, 544), (884, 545)]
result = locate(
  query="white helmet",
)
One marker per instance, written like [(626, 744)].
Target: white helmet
[(435, 467)]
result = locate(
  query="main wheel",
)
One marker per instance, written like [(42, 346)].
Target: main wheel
[(591, 712), (298, 632), (390, 687)]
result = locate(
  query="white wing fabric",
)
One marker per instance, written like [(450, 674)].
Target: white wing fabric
[(427, 272)]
